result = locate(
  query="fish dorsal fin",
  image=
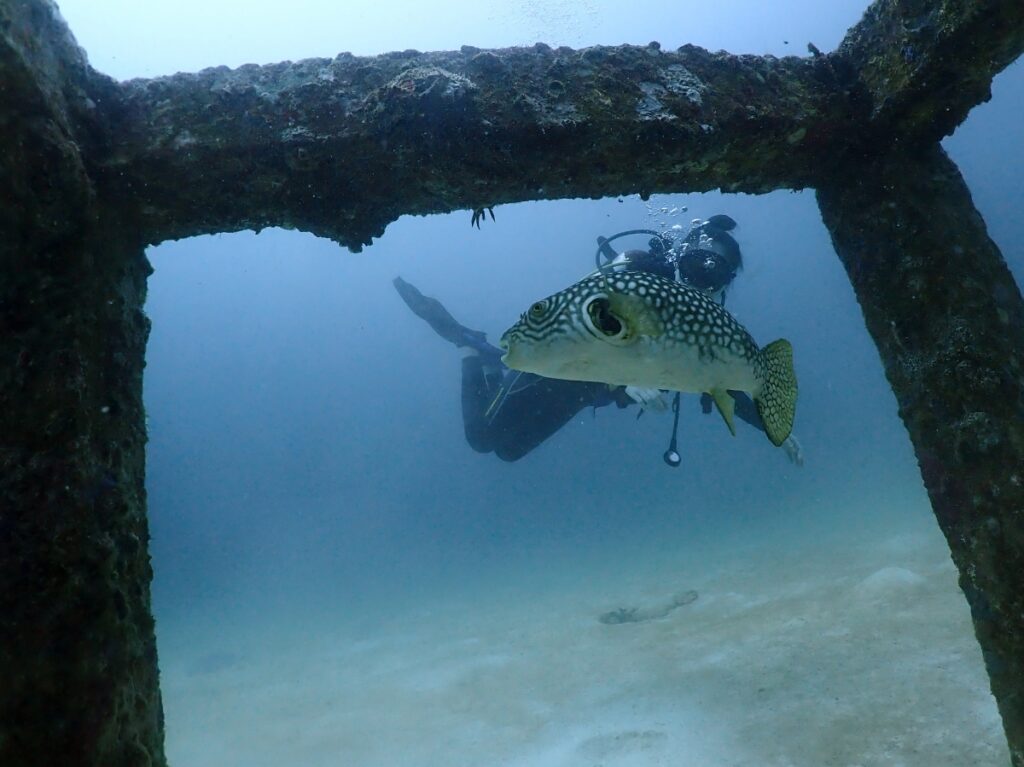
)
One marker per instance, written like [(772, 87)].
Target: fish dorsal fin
[(726, 404), (642, 319)]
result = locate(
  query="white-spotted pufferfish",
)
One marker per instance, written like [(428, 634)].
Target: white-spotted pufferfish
[(638, 329)]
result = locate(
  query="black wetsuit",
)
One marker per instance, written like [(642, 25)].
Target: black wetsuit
[(531, 414), (534, 410)]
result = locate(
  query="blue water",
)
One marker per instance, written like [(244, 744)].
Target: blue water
[(310, 487), (304, 424)]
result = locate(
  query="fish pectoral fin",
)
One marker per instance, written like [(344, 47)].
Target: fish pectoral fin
[(640, 317), (726, 405)]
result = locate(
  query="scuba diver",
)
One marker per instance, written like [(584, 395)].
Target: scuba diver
[(510, 413)]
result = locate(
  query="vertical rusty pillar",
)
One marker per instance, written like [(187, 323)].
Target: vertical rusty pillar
[(948, 321), (78, 671), (78, 653)]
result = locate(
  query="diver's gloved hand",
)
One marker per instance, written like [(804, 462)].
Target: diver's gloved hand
[(649, 399), (794, 452)]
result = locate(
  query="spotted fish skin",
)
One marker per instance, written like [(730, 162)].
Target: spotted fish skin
[(639, 329)]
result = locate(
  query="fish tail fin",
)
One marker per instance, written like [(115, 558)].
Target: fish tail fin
[(776, 401)]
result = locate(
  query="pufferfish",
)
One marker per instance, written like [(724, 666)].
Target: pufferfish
[(639, 329)]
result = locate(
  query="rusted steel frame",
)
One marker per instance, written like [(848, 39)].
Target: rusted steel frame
[(343, 146), (922, 65), (948, 321), (77, 646)]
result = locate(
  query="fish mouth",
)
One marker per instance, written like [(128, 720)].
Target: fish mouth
[(507, 344)]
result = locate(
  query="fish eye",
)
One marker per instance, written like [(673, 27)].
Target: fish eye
[(537, 310), (602, 318)]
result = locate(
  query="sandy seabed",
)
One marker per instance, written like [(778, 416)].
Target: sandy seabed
[(846, 652)]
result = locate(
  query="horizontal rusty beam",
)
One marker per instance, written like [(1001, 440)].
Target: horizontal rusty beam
[(343, 146)]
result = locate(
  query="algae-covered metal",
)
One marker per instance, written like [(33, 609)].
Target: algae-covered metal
[(96, 169)]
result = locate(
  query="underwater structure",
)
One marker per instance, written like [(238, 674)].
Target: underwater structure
[(92, 171)]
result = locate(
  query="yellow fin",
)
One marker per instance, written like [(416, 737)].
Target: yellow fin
[(776, 401), (726, 405), (641, 319)]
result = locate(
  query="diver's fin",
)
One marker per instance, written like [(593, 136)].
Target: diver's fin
[(776, 402), (641, 318), (433, 312), (726, 404)]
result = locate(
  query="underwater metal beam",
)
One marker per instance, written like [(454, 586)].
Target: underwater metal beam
[(948, 321), (341, 147), (78, 671), (922, 66)]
